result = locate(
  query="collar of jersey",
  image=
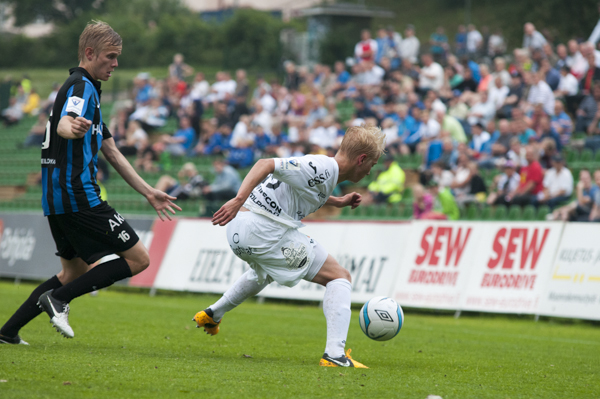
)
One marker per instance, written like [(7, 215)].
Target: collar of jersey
[(87, 75)]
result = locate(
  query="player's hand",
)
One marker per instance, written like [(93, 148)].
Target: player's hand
[(227, 212), (80, 126), (162, 203), (353, 200)]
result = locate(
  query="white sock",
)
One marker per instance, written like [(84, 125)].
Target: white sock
[(336, 306), (245, 287)]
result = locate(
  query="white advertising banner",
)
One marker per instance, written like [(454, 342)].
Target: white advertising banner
[(436, 263), (199, 258), (574, 286), (511, 267), (370, 251)]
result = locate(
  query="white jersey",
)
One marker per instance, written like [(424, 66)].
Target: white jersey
[(297, 187)]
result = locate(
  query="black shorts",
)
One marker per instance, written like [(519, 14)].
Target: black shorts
[(91, 234)]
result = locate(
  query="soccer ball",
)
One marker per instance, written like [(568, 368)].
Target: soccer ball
[(381, 318)]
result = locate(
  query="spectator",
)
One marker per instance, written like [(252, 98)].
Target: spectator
[(578, 210), (143, 89), (226, 184), (438, 42), (562, 123), (587, 110), (558, 184), (422, 202), (409, 48), (180, 69), (179, 143), (531, 184), (498, 93), (442, 176), (189, 186), (541, 93), (460, 41), (480, 141), (500, 71), (504, 184), (13, 114), (595, 213), (37, 133), (366, 48), (496, 44), (486, 78), (532, 39), (568, 85), (444, 203), (477, 190), (431, 75), (200, 87), (389, 185), (474, 41)]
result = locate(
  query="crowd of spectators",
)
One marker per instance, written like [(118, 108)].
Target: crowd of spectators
[(465, 106)]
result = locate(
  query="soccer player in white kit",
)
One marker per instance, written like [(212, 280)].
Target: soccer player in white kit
[(262, 230)]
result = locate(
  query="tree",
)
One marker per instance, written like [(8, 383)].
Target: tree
[(59, 11)]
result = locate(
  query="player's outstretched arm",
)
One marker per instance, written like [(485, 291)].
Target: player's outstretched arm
[(159, 200), (353, 199), (260, 170)]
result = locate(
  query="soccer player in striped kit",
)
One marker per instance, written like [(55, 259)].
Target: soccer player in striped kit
[(84, 227)]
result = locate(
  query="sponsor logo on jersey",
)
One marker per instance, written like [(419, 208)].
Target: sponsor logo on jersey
[(48, 161), (319, 179), (75, 105), (290, 164)]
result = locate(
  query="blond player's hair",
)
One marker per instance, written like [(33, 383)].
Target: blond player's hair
[(98, 35), (369, 140)]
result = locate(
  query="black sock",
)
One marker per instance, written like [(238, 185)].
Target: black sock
[(101, 276), (29, 309)]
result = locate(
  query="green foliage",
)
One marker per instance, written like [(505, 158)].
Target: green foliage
[(251, 38), (130, 345), (59, 11)]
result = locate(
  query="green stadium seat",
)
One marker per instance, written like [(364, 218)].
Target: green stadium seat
[(586, 156), (529, 213), (514, 213), (472, 212), (542, 212), (486, 213), (500, 212)]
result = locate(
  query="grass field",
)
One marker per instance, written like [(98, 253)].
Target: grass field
[(129, 345)]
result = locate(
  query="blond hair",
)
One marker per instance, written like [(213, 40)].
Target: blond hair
[(358, 140), (98, 35)]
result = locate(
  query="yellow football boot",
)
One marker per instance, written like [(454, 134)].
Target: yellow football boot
[(342, 361), (204, 319)]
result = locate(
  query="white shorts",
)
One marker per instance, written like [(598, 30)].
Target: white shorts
[(274, 251)]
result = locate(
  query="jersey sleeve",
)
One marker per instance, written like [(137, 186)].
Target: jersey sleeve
[(307, 171), (105, 132), (78, 97)]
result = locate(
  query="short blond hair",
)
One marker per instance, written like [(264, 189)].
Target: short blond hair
[(369, 140), (98, 35)]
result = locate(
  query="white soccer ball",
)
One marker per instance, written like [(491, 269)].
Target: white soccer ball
[(381, 318)]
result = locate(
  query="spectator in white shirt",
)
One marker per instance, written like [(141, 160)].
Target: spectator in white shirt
[(201, 87), (241, 136), (568, 85), (541, 93), (481, 110), (474, 41), (558, 184), (409, 47), (500, 70), (498, 93), (366, 49), (532, 39), (431, 76)]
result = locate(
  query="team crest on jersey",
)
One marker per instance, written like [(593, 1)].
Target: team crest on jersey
[(290, 164), (75, 105), (295, 257)]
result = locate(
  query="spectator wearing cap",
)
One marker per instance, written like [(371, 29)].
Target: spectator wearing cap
[(532, 178), (366, 48), (504, 184), (558, 184), (532, 39), (409, 47)]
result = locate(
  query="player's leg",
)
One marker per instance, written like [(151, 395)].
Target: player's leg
[(245, 287), (336, 307), (71, 269)]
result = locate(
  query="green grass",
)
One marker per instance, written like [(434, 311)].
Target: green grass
[(128, 345)]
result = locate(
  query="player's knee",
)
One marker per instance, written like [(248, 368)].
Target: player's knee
[(139, 263)]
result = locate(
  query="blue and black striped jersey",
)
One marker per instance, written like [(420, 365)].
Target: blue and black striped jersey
[(69, 166)]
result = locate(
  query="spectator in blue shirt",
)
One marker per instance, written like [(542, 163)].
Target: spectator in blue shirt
[(183, 139), (460, 41), (439, 44), (143, 88)]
